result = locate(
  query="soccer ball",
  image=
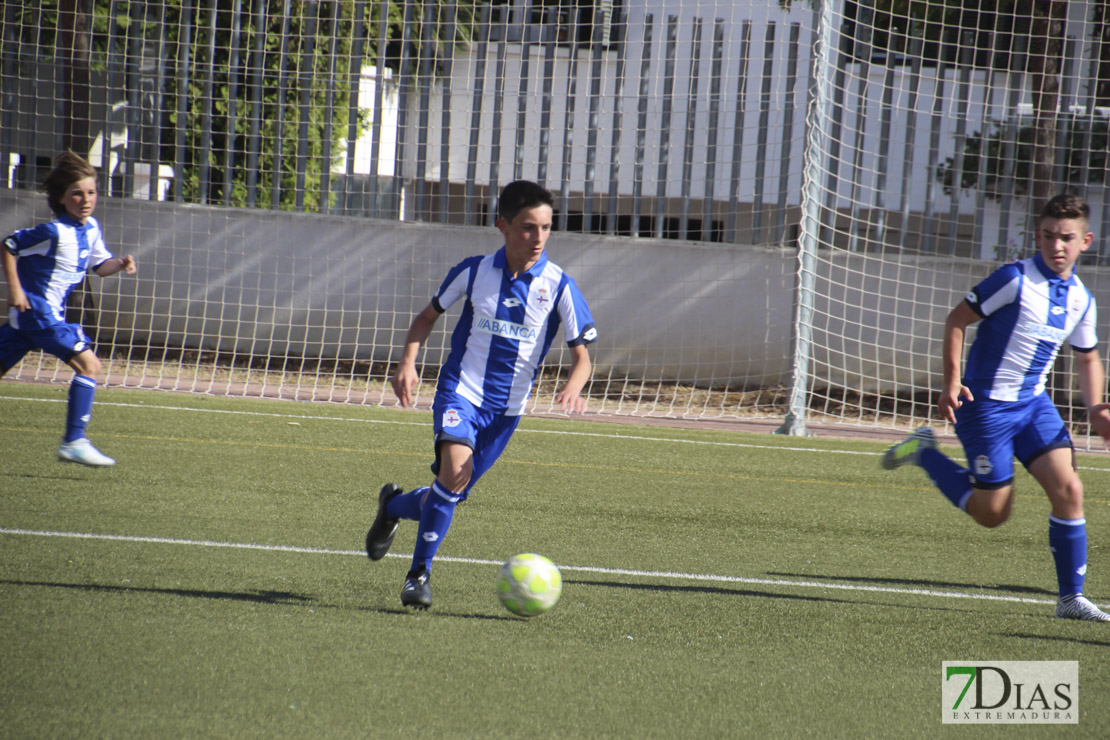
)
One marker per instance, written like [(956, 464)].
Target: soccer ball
[(529, 584)]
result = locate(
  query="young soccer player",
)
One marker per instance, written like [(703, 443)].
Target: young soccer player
[(43, 265), (513, 303), (1028, 310)]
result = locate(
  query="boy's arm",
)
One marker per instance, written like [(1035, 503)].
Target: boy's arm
[(114, 265), (1092, 379), (570, 398), (406, 378), (955, 327), (17, 299)]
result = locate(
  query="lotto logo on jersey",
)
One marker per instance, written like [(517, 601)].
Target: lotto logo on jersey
[(451, 418)]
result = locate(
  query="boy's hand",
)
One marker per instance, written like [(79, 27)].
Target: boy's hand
[(404, 383), (18, 299), (1099, 418), (571, 402), (127, 264), (950, 400)]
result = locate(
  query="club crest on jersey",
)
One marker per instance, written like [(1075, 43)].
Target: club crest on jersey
[(451, 418), (983, 465), (541, 296)]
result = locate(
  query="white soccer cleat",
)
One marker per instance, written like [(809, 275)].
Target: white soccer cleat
[(905, 452), (1080, 607), (81, 451)]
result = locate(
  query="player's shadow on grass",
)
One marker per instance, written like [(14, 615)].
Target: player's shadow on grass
[(277, 598), (256, 597), (1058, 638), (441, 614), (718, 590), (72, 478), (919, 583)]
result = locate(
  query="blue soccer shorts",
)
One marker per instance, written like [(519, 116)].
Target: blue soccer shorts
[(64, 341), (994, 432), (485, 432)]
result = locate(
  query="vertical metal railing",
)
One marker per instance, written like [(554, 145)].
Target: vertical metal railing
[(786, 158), (278, 141), (766, 80), (354, 81), (568, 133), (641, 126), (716, 65), (612, 210), (664, 152), (909, 146), (693, 77), (9, 60), (255, 81), (184, 65), (738, 127), (234, 80), (476, 116)]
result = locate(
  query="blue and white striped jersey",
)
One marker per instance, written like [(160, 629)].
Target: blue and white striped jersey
[(53, 258), (1029, 312), (506, 328)]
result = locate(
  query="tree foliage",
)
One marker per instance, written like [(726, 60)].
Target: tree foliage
[(1001, 159), (246, 96)]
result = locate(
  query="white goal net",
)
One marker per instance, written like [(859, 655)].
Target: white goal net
[(771, 206)]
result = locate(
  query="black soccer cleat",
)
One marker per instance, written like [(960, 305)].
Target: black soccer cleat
[(416, 592), (380, 535)]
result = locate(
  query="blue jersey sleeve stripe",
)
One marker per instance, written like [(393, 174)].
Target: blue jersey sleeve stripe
[(32, 237)]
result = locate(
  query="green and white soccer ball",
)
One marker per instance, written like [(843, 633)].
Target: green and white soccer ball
[(529, 584)]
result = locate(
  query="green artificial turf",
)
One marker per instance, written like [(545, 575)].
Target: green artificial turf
[(716, 584)]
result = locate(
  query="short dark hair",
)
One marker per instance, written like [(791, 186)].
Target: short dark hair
[(69, 167), (521, 194), (1066, 205)]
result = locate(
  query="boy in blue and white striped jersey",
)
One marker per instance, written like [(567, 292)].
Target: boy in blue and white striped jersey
[(999, 406), (513, 303), (43, 265)]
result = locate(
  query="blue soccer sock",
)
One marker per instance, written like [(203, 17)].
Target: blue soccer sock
[(435, 518), (1067, 539), (406, 505), (81, 392), (952, 480)]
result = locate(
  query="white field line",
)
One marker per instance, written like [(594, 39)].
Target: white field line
[(666, 575), (638, 438)]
